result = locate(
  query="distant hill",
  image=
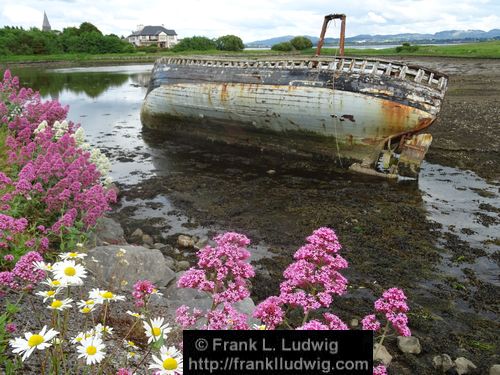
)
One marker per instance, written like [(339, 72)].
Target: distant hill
[(439, 37)]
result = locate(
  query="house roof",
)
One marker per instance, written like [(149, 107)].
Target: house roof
[(153, 30)]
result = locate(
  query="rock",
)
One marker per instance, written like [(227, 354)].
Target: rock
[(124, 265), (354, 323), (381, 354), (271, 171), (495, 370), (137, 234), (147, 239), (202, 242), (442, 362), (182, 265), (409, 344), (107, 232), (185, 241), (170, 262), (464, 366), (158, 245)]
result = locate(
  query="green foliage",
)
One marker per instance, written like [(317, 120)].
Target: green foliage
[(406, 47), (283, 47), (229, 43), (85, 39), (195, 43), (301, 42)]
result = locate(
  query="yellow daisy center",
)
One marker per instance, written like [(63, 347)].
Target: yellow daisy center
[(35, 340), (107, 295), (131, 343), (56, 282), (56, 304), (170, 364), (73, 255), (70, 271), (89, 302), (86, 310), (51, 292), (91, 350), (156, 331)]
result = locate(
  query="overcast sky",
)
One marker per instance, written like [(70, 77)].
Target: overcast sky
[(256, 19)]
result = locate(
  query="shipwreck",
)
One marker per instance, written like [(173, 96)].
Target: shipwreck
[(363, 112)]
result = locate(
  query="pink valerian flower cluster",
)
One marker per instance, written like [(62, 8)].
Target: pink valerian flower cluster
[(393, 306), (142, 290), (311, 281), (125, 371), (332, 323), (223, 271), (24, 273), (57, 185), (185, 318)]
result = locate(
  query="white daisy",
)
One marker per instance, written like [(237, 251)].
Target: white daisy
[(38, 341), (69, 272), (60, 305), (169, 362), (156, 329), (101, 296), (100, 329), (43, 266), (135, 315), (258, 327), (86, 306), (129, 344), (78, 338), (46, 294), (131, 355), (54, 283), (87, 309), (72, 255), (92, 349)]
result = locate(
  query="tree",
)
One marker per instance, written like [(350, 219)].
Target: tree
[(87, 27), (284, 47), (301, 42), (229, 43), (195, 43)]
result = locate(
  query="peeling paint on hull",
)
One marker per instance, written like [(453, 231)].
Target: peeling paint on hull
[(352, 115)]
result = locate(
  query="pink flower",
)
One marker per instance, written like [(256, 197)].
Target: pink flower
[(185, 318), (25, 270), (393, 300), (124, 371), (380, 370), (270, 312), (334, 322), (11, 327), (313, 325), (370, 323), (400, 323), (8, 257)]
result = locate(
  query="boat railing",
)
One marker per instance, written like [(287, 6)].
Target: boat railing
[(346, 64)]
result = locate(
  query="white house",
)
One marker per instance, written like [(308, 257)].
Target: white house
[(153, 35)]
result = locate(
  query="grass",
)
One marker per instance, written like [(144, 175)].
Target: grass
[(3, 154), (473, 50)]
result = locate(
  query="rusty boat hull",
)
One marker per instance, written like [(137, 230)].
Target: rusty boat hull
[(348, 109)]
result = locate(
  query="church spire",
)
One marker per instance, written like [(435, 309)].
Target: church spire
[(46, 24)]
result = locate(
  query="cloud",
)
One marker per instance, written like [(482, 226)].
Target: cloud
[(257, 19)]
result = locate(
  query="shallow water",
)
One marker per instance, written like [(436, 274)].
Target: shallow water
[(107, 100)]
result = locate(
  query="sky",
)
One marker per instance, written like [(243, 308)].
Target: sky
[(256, 19)]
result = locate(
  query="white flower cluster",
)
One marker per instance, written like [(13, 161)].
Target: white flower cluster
[(60, 128), (40, 128), (101, 161)]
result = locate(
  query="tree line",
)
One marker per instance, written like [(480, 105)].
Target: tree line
[(84, 39)]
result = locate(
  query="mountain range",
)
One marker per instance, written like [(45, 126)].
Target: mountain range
[(439, 37)]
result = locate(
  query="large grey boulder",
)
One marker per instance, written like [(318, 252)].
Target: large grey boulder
[(495, 370), (125, 264), (107, 232)]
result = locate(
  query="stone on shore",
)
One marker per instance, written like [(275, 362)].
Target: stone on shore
[(107, 232), (495, 370), (442, 362), (381, 354), (464, 366), (126, 264), (185, 241), (409, 344)]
